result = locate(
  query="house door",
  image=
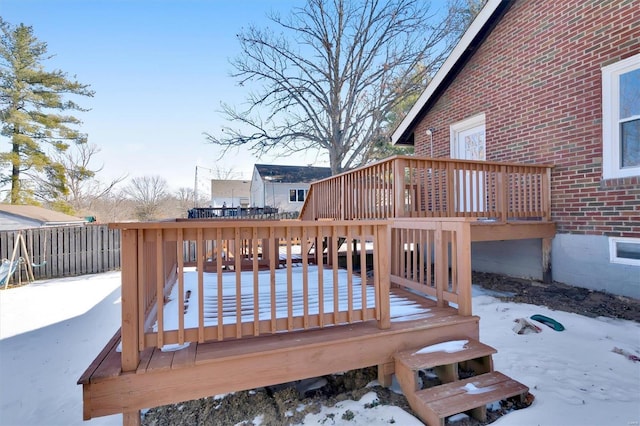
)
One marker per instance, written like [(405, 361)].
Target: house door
[(468, 143)]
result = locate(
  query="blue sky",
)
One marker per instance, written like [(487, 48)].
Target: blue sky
[(160, 70)]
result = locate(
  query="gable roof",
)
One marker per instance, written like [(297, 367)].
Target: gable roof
[(479, 29), (39, 214), (292, 174)]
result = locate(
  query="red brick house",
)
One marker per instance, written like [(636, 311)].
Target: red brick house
[(550, 82)]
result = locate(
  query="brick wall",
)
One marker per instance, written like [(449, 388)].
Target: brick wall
[(537, 78)]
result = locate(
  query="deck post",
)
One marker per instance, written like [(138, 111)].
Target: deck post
[(463, 262), (546, 194), (130, 304), (547, 277), (385, 373), (383, 272), (398, 179), (131, 418), (452, 193), (503, 196)]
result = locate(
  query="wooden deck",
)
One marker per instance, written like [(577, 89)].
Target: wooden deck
[(402, 227), (205, 369)]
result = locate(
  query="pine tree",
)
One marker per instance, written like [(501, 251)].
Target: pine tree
[(34, 115)]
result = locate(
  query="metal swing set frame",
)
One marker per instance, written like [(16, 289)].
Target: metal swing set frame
[(9, 266)]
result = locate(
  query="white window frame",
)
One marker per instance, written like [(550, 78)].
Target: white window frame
[(613, 250), (611, 167)]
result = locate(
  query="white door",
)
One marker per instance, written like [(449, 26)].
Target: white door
[(468, 143)]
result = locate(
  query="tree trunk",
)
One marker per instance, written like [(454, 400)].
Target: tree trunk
[(15, 174)]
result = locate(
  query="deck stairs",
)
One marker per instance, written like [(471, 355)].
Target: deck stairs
[(462, 378)]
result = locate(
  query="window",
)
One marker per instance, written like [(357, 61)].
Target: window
[(621, 119), (624, 250), (467, 139), (297, 195)]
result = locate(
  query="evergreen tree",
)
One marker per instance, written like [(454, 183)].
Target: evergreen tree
[(34, 116)]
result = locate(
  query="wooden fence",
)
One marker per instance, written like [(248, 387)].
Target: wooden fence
[(65, 251)]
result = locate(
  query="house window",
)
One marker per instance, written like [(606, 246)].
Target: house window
[(297, 195), (621, 119), (624, 250)]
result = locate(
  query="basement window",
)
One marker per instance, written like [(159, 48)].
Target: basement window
[(624, 250)]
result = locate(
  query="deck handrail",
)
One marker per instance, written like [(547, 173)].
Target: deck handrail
[(153, 264), (433, 257), (433, 187), (430, 256)]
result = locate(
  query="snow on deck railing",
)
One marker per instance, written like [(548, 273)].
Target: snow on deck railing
[(355, 286), (404, 186)]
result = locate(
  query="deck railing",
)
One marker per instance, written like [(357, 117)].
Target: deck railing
[(232, 292), (403, 186), (434, 259), (249, 252)]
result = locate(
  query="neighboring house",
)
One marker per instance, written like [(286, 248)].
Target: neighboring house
[(230, 193), (15, 217), (283, 187), (549, 82)]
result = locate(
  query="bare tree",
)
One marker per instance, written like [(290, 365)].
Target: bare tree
[(329, 76), (225, 173), (113, 207), (149, 193), (83, 186), (461, 14), (184, 199)]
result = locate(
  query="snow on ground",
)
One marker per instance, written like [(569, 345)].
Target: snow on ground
[(50, 331)]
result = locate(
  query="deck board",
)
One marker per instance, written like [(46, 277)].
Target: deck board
[(185, 357), (145, 357), (160, 360), (108, 348)]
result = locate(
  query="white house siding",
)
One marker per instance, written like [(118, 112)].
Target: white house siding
[(579, 260), (13, 223), (257, 191), (277, 195), (583, 260), (516, 258)]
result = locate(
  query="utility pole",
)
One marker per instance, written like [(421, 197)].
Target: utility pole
[(195, 185)]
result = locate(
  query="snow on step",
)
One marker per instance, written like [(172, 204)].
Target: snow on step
[(444, 353), (463, 395), (448, 347)]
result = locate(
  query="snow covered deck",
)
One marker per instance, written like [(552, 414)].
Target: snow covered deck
[(349, 294)]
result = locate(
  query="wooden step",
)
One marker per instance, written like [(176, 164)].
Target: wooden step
[(435, 404), (472, 349), (474, 355)]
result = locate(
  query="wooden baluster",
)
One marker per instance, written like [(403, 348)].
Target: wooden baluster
[(180, 259)]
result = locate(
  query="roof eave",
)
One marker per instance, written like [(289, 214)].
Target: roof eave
[(484, 21)]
